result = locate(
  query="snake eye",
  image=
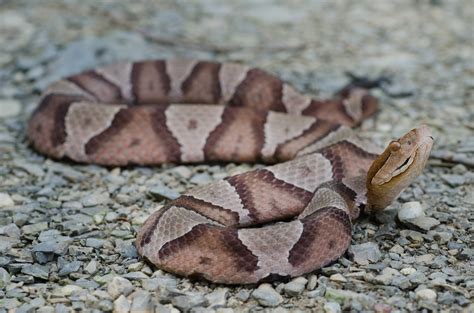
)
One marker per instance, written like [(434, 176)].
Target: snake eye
[(403, 164), (394, 146)]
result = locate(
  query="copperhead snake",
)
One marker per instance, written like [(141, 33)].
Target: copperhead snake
[(287, 219)]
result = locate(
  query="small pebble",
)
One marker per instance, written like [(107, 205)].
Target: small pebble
[(407, 270), (365, 253), (121, 305), (141, 302), (267, 296), (332, 307), (312, 282), (4, 277), (119, 286), (426, 294), (188, 301), (9, 107), (410, 210), (295, 286), (5, 200), (338, 278)]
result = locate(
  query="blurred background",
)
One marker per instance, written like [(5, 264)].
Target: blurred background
[(425, 46)]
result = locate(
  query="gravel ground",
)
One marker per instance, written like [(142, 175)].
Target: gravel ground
[(67, 230)]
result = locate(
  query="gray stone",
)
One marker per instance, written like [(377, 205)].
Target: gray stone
[(451, 245), (182, 171), (20, 219), (34, 228), (119, 286), (453, 180), (128, 251), (243, 295), (69, 268), (86, 283), (188, 301), (95, 198), (38, 302), (466, 254), (267, 296), (58, 248), (52, 235), (417, 278), (4, 261), (312, 282), (106, 305), (135, 275), (141, 302), (408, 270), (31, 168), (320, 291), (424, 222), (159, 282), (94, 242), (342, 296), (4, 278), (91, 267), (36, 270), (201, 178), (438, 262), (16, 30), (365, 253), (410, 210), (426, 294), (69, 290), (9, 107), (5, 200), (412, 235), (332, 307), (121, 305), (386, 276), (61, 308), (10, 230), (401, 282), (160, 191), (296, 286), (446, 298), (6, 243), (338, 278), (160, 308), (217, 298)]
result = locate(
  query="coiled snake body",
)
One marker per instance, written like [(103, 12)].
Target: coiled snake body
[(283, 220)]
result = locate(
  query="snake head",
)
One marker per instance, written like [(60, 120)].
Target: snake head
[(401, 162)]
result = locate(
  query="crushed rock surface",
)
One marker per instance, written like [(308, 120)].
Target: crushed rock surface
[(67, 230)]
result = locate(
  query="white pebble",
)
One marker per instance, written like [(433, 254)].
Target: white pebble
[(410, 210), (5, 200), (338, 277), (9, 107), (121, 305), (408, 270), (426, 294), (267, 296), (332, 307), (119, 286)]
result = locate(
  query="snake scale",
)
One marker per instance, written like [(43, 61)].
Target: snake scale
[(286, 219)]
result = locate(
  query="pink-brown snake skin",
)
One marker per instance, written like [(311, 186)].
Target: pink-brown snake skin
[(284, 220)]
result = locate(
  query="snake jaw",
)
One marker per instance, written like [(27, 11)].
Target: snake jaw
[(397, 167)]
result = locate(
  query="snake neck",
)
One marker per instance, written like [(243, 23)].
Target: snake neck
[(380, 196)]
